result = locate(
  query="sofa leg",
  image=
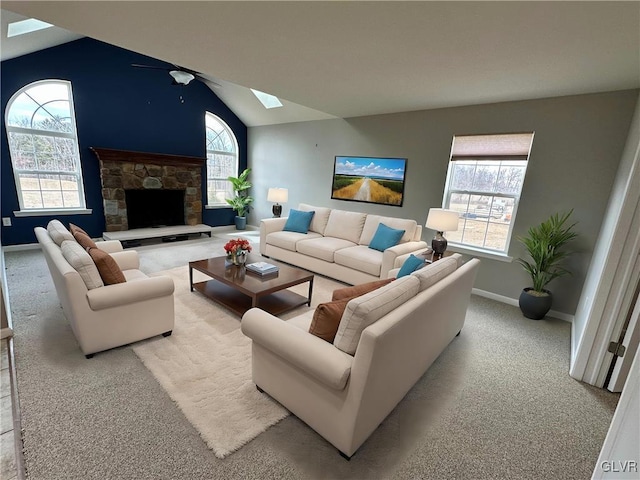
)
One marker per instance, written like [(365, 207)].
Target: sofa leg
[(166, 334), (346, 457), (89, 356), (259, 389)]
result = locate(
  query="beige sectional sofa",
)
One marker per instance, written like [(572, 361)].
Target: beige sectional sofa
[(385, 342), (105, 316), (337, 244)]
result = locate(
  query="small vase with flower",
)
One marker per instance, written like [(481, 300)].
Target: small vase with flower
[(237, 251)]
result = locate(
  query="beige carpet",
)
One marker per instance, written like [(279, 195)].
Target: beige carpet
[(205, 367)]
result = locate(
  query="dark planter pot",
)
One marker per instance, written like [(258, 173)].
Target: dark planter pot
[(241, 223), (533, 306)]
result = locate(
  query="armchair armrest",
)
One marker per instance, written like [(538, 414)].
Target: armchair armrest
[(110, 246), (127, 293), (267, 226), (390, 254), (307, 352), (127, 259)]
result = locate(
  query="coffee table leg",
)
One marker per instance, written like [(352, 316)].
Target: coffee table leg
[(191, 279), (310, 292)]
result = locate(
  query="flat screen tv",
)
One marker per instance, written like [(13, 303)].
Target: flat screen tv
[(369, 179)]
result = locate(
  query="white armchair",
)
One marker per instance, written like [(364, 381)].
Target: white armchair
[(111, 315)]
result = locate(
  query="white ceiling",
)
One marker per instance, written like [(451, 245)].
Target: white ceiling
[(345, 59)]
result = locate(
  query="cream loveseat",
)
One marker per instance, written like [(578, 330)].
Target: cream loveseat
[(346, 389), (337, 244), (105, 316)]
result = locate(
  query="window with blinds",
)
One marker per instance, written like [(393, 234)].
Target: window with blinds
[(484, 181)]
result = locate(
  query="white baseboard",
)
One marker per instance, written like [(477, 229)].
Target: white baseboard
[(514, 302), (21, 247)]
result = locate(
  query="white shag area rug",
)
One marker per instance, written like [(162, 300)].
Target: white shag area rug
[(205, 367)]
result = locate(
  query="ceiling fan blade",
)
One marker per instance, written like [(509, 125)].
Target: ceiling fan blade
[(149, 66)]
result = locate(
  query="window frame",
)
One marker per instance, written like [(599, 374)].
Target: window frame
[(235, 155), (17, 172), (501, 254)]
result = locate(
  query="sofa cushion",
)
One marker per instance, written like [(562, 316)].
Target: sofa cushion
[(369, 308), (372, 222), (81, 261), (357, 290), (361, 258), (432, 274), (326, 319), (74, 228), (109, 270), (298, 221), (288, 240), (58, 232), (410, 265), (385, 237), (84, 240), (319, 220), (345, 225), (322, 247)]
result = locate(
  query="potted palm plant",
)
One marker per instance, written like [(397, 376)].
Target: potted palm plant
[(546, 245), (242, 201)]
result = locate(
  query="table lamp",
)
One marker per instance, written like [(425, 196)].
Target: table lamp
[(441, 220), (277, 195)]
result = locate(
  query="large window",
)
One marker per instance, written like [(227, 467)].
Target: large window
[(484, 181), (222, 160), (43, 143)]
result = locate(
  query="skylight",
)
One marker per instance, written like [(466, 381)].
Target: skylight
[(26, 26), (269, 101)]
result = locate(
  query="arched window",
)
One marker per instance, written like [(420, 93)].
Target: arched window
[(43, 143), (222, 160)]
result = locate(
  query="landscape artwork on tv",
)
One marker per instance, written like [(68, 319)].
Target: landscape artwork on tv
[(369, 179)]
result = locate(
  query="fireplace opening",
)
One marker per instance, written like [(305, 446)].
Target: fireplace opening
[(154, 208)]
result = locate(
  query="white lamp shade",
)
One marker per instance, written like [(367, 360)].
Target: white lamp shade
[(278, 195), (442, 220)]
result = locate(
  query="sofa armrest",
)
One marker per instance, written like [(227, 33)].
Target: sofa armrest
[(390, 254), (267, 226), (110, 246), (127, 259), (127, 293), (311, 354)]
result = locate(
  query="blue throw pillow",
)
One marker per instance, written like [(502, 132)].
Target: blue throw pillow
[(298, 221), (410, 265), (385, 237)]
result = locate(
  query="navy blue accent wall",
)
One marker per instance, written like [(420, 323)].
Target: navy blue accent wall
[(117, 106)]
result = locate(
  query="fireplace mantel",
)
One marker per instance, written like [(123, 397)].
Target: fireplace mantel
[(113, 155)]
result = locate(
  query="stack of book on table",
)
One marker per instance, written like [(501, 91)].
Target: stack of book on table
[(262, 268)]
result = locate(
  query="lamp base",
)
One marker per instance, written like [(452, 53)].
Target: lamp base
[(439, 246), (277, 210)]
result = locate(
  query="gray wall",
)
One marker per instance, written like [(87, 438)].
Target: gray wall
[(577, 147)]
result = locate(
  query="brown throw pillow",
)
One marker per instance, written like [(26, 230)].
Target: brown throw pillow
[(357, 290), (326, 319), (74, 228), (107, 266), (84, 240)]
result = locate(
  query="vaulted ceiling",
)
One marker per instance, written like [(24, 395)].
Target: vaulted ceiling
[(345, 58)]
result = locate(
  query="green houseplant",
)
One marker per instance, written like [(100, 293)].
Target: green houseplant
[(242, 201), (546, 246)]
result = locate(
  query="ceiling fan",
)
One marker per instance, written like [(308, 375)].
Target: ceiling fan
[(181, 75)]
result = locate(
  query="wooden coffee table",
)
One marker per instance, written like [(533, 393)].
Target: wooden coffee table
[(239, 289)]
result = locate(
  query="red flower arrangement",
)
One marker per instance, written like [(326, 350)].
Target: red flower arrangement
[(237, 245)]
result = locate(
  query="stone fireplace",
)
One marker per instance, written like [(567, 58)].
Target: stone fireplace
[(122, 170)]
